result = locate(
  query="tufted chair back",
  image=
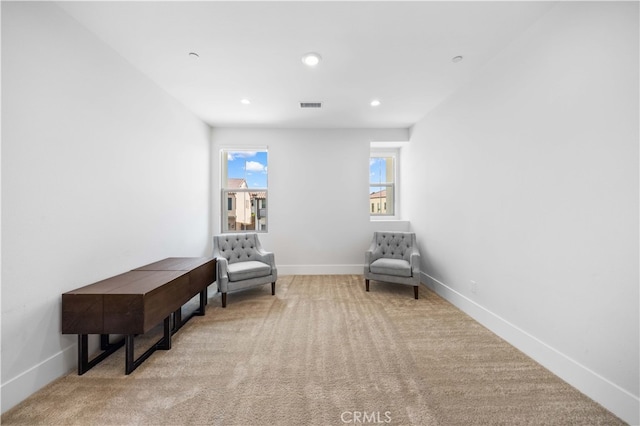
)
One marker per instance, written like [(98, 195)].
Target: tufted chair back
[(238, 247), (393, 245)]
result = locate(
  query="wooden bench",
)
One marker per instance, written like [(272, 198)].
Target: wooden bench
[(133, 303)]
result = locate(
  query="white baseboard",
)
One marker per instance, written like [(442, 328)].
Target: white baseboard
[(320, 269), (21, 387), (611, 396)]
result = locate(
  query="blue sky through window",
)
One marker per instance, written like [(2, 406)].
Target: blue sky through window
[(377, 169), (248, 165)]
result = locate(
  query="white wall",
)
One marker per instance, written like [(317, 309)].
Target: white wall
[(101, 172), (318, 198), (528, 184)]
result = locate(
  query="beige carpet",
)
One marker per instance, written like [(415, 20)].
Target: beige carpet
[(320, 352)]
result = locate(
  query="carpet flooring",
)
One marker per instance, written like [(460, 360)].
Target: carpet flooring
[(322, 351)]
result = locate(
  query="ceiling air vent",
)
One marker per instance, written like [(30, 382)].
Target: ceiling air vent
[(310, 104)]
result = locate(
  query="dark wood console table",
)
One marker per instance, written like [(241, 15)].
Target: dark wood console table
[(133, 303)]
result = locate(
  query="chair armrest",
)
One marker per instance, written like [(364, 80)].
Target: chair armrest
[(369, 254), (222, 275), (415, 261), (266, 257), (368, 257)]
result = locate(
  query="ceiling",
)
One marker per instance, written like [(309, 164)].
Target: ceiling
[(398, 52)]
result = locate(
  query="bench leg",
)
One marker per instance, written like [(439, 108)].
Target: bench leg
[(415, 291), (366, 284), (165, 342), (128, 354), (177, 320), (203, 302), (84, 364), (130, 363)]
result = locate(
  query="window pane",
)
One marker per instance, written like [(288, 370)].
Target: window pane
[(381, 185), (381, 200), (381, 170), (244, 188), (245, 169), (248, 212)]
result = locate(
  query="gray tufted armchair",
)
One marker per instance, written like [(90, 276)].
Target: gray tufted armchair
[(393, 257), (241, 263)]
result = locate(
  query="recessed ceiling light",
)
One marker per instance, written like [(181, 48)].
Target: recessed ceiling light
[(375, 103), (311, 59), (245, 101), (194, 55), (456, 59)]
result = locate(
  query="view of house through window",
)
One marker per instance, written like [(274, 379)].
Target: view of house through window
[(381, 184), (244, 190)]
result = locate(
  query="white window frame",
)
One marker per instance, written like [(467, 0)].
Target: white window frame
[(225, 191), (395, 154)]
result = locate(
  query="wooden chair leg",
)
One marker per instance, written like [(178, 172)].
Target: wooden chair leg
[(273, 288), (366, 284), (415, 291), (224, 300)]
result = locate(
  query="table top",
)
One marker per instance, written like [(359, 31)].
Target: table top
[(176, 264), (132, 282)]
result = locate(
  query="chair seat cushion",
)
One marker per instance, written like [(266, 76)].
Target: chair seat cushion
[(240, 271), (396, 267)]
